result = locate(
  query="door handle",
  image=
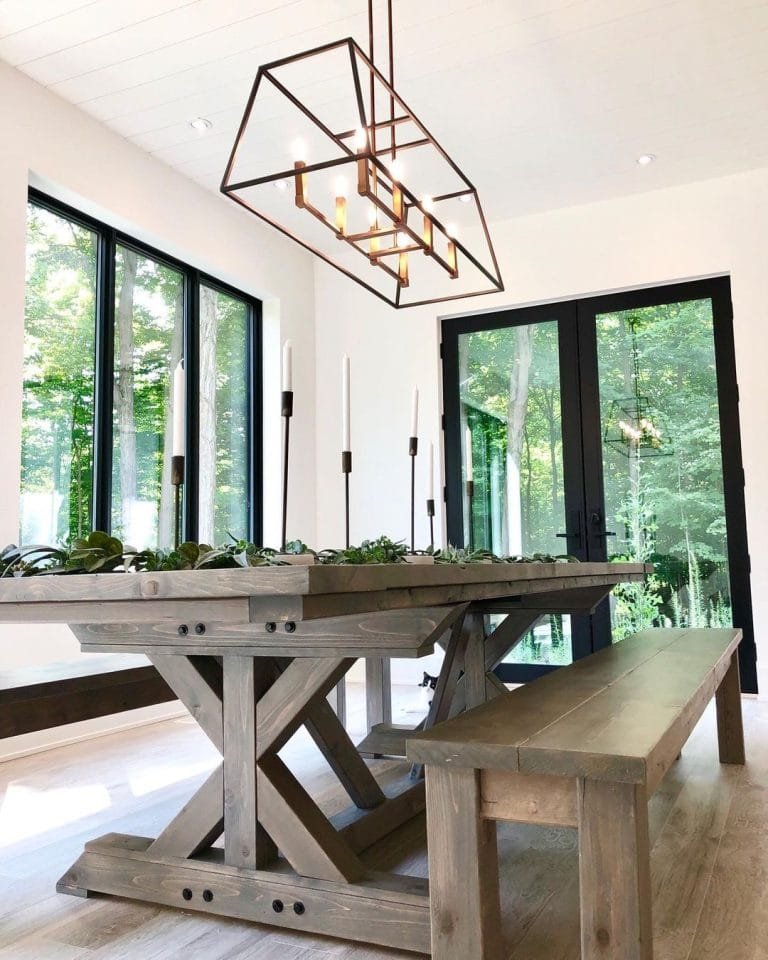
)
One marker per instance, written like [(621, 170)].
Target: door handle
[(604, 533), (576, 533)]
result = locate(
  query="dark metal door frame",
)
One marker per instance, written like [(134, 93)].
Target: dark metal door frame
[(582, 442)]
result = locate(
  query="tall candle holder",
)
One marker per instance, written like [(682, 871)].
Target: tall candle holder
[(177, 480), (346, 469), (431, 515), (286, 411), (470, 497), (413, 449)]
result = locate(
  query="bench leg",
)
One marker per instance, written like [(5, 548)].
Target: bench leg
[(463, 868), (614, 872), (730, 729)]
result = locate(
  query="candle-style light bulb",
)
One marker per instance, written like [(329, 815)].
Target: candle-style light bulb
[(299, 154), (427, 234), (287, 367), (374, 244), (179, 411), (341, 188), (452, 232), (402, 270), (346, 441), (397, 169)]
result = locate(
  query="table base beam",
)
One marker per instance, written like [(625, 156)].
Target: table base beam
[(389, 910)]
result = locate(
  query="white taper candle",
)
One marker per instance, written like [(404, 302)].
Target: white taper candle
[(415, 413), (346, 441), (179, 411), (468, 454), (431, 473), (287, 366)]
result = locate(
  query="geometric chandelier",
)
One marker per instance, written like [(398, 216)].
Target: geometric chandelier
[(329, 154)]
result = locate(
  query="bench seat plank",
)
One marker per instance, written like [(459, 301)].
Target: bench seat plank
[(632, 730), (488, 736), (605, 717)]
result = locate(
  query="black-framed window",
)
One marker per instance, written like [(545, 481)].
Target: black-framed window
[(108, 319)]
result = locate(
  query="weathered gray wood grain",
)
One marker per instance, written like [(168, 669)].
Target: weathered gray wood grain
[(730, 726), (385, 913), (463, 868), (614, 872)]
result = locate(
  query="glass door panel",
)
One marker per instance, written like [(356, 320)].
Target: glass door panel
[(662, 464), (149, 337), (510, 410)]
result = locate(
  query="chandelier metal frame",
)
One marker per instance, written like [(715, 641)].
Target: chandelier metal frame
[(410, 225)]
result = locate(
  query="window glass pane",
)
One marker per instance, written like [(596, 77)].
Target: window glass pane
[(662, 465), (149, 303), (58, 399), (510, 391), (223, 471)]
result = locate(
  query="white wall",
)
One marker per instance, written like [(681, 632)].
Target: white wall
[(702, 229), (49, 143)]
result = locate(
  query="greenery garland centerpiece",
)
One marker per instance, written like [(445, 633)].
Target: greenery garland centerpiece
[(102, 553)]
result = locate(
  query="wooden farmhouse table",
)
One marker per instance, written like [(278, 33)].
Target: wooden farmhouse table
[(253, 654)]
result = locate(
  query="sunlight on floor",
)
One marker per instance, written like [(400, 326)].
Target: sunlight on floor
[(28, 811), (156, 778)]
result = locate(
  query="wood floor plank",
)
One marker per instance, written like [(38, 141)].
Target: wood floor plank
[(143, 777)]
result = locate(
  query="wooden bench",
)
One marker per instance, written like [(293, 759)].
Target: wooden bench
[(93, 685), (584, 747)]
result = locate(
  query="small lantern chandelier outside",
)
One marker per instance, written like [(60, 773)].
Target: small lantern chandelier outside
[(633, 426), (329, 154)]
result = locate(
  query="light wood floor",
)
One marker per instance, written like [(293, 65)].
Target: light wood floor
[(710, 856)]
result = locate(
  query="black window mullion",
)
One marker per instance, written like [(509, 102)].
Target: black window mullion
[(103, 439), (254, 438), (192, 375)]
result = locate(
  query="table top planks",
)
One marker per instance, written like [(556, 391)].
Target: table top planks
[(300, 592)]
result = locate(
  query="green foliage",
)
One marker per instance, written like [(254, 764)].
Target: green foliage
[(381, 550), (101, 553), (451, 554)]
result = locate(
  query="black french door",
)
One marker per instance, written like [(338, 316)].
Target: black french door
[(606, 429)]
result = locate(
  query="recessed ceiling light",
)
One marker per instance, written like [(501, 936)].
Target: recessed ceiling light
[(466, 198), (200, 124), (281, 184), (645, 158)]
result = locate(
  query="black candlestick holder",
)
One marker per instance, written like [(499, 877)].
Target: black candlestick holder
[(413, 449), (431, 515), (177, 480), (470, 497), (346, 469), (286, 411)]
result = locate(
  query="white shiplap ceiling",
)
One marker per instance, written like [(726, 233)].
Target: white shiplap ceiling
[(544, 103)]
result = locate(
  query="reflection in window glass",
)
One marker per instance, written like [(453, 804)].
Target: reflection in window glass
[(510, 391), (57, 411), (223, 417), (664, 499), (149, 339)]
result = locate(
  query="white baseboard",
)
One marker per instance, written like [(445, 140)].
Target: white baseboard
[(30, 743)]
